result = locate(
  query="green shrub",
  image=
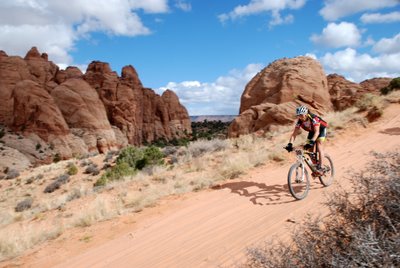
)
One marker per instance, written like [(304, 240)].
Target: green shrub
[(393, 85), (139, 158), (56, 158), (130, 155), (72, 169), (129, 160), (153, 156), (115, 173)]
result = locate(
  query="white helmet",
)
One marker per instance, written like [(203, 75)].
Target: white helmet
[(301, 110)]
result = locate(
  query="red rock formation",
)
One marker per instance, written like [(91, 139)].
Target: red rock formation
[(78, 113), (343, 92), (83, 110), (271, 96), (35, 111), (178, 117), (374, 85), (139, 112)]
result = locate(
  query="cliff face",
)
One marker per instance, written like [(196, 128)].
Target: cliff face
[(75, 113)]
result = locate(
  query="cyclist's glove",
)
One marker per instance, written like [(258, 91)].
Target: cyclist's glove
[(289, 147), (309, 145)]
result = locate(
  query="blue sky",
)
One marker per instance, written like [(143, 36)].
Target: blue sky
[(207, 51)]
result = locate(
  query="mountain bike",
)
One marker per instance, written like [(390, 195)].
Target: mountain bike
[(298, 178)]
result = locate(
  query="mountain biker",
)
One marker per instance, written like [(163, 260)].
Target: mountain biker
[(316, 128)]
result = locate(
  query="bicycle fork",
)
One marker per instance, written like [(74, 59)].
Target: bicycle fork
[(301, 179)]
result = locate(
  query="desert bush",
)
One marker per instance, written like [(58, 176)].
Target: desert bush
[(369, 101), (56, 158), (130, 155), (85, 162), (138, 158), (72, 169), (24, 205), (393, 85), (152, 156), (92, 169), (117, 172), (362, 229), (201, 147), (109, 156), (12, 174), (60, 180), (169, 150)]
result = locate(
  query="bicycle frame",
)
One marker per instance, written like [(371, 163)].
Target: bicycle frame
[(300, 154)]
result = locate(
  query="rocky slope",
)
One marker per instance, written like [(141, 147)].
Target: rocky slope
[(48, 112), (270, 98)]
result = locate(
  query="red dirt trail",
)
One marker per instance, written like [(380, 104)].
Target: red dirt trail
[(213, 228)]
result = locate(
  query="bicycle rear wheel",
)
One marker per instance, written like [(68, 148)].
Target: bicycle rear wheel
[(298, 183), (329, 174)]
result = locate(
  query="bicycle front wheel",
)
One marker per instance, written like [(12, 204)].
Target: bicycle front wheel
[(298, 182), (329, 173)]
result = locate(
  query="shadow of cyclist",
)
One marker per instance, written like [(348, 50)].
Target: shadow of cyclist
[(260, 193)]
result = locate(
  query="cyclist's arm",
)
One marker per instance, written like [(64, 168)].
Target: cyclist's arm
[(316, 132), (296, 132)]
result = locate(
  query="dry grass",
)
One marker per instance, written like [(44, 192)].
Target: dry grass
[(362, 229), (17, 239), (78, 204), (393, 97)]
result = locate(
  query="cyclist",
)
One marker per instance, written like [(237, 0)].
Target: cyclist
[(316, 128)]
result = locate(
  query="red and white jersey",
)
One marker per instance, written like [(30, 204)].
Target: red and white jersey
[(311, 122)]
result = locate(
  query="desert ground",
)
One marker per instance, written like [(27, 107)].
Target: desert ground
[(213, 227)]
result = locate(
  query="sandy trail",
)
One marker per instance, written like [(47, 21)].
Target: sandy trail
[(213, 228)]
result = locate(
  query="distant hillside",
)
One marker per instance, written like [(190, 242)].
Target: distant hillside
[(222, 118)]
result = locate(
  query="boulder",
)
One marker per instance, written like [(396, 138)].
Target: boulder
[(271, 97)]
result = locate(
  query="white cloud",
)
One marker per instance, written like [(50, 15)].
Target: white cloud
[(336, 9), (358, 67), (55, 26), (278, 20), (388, 45), (181, 4), (338, 35), (56, 40), (219, 97), (380, 18), (260, 6)]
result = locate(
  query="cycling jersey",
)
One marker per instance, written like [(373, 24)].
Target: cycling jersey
[(311, 122)]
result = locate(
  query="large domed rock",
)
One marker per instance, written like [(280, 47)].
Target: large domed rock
[(271, 96)]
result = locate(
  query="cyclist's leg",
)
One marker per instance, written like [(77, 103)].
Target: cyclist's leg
[(309, 137), (320, 142)]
